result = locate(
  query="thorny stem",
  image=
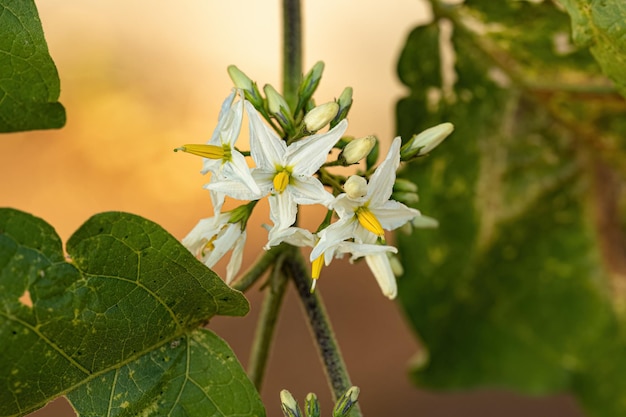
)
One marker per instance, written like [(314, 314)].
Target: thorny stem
[(268, 317), (334, 366)]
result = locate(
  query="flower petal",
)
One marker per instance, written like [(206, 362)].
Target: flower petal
[(234, 189), (237, 169), (234, 264), (393, 214), (332, 235), (308, 154), (266, 148), (283, 210), (309, 190), (380, 185), (380, 267)]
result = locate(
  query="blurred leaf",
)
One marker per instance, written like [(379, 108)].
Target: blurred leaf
[(129, 291), (29, 83), (520, 286), (601, 26)]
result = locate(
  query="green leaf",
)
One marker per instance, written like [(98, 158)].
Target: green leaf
[(601, 26), (29, 83), (195, 375), (518, 288), (129, 289)]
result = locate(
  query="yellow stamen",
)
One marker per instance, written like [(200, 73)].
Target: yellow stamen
[(205, 151), (209, 245), (369, 221), (281, 180), (316, 267)]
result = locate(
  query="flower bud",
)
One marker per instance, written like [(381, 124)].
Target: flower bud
[(345, 102), (278, 107), (311, 405), (355, 186), (395, 264), (240, 79), (372, 157), (405, 197), (405, 185), (346, 402), (424, 222), (309, 84), (289, 405), (426, 141), (357, 149), (243, 82), (320, 116)]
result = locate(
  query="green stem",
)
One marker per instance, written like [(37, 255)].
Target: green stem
[(334, 366), (292, 51), (267, 324)]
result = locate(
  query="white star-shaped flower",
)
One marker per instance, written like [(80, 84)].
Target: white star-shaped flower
[(365, 212), (211, 238), (285, 172), (219, 153)]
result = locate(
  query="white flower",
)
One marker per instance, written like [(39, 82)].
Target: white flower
[(364, 214), (211, 238), (286, 172), (220, 156)]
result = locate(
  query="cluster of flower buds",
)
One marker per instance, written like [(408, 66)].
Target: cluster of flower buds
[(342, 407), (290, 150)]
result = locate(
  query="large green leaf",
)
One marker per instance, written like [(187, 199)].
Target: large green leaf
[(29, 83), (195, 375), (517, 288), (601, 26), (129, 291)]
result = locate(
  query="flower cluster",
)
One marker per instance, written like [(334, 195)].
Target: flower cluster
[(291, 168)]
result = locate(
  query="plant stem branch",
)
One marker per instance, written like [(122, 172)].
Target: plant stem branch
[(334, 366), (292, 51), (258, 268), (268, 318)]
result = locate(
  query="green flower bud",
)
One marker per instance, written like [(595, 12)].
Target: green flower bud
[(424, 222), (311, 405), (396, 266), (309, 84), (357, 149), (242, 81), (278, 107), (346, 402), (405, 197), (289, 405), (426, 141), (320, 116), (372, 157), (345, 102), (405, 185)]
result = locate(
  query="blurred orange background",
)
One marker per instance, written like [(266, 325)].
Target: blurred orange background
[(140, 78)]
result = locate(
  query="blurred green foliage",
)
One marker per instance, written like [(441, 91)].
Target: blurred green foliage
[(522, 286)]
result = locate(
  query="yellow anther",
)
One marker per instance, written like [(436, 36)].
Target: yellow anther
[(205, 151), (281, 180), (316, 266), (209, 245), (369, 221)]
